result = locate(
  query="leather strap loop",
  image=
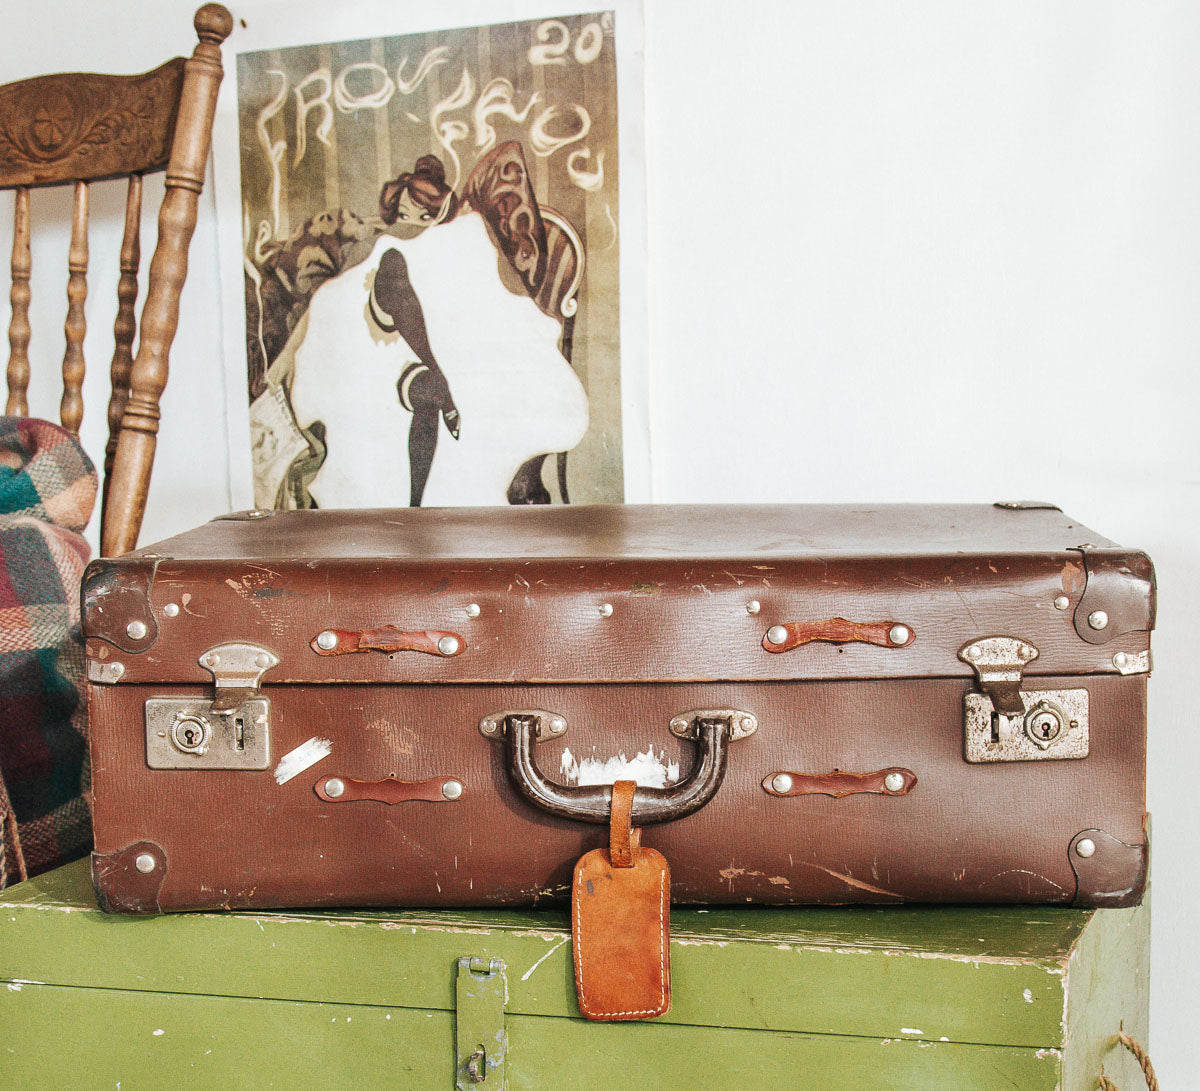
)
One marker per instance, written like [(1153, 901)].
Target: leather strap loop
[(623, 840)]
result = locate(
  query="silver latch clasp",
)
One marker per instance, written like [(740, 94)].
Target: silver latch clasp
[(232, 731), (998, 662), (237, 669), (1004, 722)]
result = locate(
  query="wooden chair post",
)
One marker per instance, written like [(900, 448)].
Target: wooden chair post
[(71, 409), (18, 327), (124, 328), (126, 505)]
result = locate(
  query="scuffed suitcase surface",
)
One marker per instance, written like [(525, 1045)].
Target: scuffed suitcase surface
[(615, 621)]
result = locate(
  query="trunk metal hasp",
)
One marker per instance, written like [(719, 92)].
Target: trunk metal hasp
[(480, 1038)]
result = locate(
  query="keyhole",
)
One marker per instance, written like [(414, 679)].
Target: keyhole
[(191, 734)]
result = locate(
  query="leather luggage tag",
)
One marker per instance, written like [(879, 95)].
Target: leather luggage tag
[(620, 923)]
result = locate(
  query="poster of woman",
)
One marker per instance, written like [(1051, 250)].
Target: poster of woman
[(434, 264)]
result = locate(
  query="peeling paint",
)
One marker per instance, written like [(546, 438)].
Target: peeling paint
[(1028, 994), (648, 769)]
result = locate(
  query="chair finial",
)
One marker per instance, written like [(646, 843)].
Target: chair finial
[(213, 23)]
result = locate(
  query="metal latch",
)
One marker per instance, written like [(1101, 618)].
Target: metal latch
[(237, 671), (1005, 722), (232, 731), (481, 1040)]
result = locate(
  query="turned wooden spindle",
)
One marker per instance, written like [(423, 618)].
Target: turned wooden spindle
[(71, 411), (177, 220), (125, 325), (18, 327)]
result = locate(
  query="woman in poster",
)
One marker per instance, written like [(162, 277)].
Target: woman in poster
[(424, 333)]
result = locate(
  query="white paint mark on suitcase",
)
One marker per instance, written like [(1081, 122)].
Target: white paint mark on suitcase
[(305, 756), (648, 769)]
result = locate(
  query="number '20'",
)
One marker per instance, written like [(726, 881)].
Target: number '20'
[(555, 37)]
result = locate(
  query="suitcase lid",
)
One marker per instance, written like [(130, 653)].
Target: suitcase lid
[(621, 594)]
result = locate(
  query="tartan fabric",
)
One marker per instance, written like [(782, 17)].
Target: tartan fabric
[(47, 491)]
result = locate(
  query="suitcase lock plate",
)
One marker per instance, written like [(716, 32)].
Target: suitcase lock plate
[(1005, 722), (230, 731)]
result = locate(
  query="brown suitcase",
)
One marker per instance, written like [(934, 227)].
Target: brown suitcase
[(424, 707)]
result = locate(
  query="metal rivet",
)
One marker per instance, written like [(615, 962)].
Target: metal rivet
[(473, 610), (747, 723), (972, 652), (899, 634), (116, 670), (893, 782), (1086, 848), (327, 640), (145, 863), (781, 783), (262, 660), (137, 630), (753, 606), (1062, 602), (1026, 652), (452, 789), (212, 659), (334, 787), (171, 609), (777, 634), (1120, 660), (606, 609), (449, 645), (558, 725), (1098, 619)]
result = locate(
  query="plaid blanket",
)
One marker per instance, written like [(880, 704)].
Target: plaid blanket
[(47, 491)]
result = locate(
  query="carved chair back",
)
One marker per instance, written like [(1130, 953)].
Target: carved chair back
[(79, 128)]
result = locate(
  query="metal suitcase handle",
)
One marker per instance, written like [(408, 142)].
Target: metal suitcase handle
[(711, 729)]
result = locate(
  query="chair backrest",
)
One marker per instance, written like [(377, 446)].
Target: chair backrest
[(79, 128)]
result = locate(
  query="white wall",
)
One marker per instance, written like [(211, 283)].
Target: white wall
[(898, 251)]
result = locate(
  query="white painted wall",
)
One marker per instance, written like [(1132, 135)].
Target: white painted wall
[(915, 251)]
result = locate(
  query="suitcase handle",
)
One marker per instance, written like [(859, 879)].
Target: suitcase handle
[(712, 732)]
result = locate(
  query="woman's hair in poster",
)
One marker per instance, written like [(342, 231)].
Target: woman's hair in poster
[(426, 186)]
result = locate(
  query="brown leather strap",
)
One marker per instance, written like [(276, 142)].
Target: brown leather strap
[(623, 840)]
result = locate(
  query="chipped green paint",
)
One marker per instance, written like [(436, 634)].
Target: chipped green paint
[(836, 998)]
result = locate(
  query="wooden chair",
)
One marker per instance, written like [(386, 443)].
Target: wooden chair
[(79, 128)]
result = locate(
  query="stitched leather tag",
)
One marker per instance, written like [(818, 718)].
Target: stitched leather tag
[(620, 927)]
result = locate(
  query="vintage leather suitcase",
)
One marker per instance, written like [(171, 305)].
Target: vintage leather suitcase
[(424, 707)]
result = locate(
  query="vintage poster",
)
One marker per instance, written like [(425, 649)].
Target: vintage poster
[(431, 257)]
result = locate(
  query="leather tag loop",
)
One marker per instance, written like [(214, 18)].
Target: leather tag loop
[(624, 842)]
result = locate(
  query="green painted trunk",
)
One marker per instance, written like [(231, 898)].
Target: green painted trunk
[(828, 999)]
